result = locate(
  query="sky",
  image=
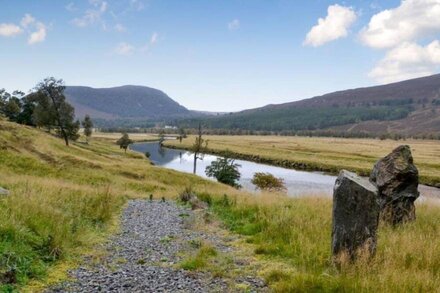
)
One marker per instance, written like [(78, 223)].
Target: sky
[(223, 55)]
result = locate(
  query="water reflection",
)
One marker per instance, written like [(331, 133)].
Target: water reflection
[(297, 182)]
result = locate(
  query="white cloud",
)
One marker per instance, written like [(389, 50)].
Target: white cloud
[(27, 20), (39, 35), (154, 38), (9, 30), (37, 30), (334, 26), (408, 60), (411, 20), (124, 49), (120, 28), (92, 15), (234, 25)]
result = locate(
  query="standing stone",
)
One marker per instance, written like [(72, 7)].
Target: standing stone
[(397, 180), (355, 216), (4, 191)]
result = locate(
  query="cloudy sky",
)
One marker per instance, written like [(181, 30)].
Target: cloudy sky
[(223, 55)]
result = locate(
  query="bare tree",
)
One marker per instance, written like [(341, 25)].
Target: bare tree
[(199, 147)]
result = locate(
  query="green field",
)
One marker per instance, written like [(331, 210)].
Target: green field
[(322, 154), (65, 200)]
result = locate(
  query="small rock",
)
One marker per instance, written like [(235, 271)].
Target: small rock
[(4, 191), (355, 216), (397, 180)]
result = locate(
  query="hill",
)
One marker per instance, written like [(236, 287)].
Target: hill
[(124, 102), (407, 107)]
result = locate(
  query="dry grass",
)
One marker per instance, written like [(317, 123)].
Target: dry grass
[(138, 137), (327, 154)]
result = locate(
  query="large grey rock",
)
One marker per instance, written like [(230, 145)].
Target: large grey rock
[(397, 180), (355, 216), (4, 191)]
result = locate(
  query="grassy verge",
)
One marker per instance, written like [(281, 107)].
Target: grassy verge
[(65, 200), (321, 154), (291, 238)]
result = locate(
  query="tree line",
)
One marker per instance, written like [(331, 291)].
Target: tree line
[(45, 106)]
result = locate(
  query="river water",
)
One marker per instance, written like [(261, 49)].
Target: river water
[(297, 182)]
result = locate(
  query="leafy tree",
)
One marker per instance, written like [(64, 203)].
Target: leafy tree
[(199, 147), (225, 170), (182, 134), (53, 108), (124, 141), (27, 111), (266, 181), (87, 123), (12, 108)]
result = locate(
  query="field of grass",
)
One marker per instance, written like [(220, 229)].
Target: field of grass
[(137, 137), (64, 201), (323, 154)]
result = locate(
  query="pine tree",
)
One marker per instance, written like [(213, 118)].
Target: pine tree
[(88, 127)]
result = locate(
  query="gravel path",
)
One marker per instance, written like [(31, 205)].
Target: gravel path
[(142, 257)]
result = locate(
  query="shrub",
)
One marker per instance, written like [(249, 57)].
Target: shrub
[(225, 170), (266, 181)]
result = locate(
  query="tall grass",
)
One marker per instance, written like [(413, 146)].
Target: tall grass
[(292, 237), (42, 222)]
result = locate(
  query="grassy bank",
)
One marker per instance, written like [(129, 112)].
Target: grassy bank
[(322, 154), (291, 240), (65, 200)]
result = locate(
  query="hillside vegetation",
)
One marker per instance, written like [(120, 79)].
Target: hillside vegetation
[(124, 102), (409, 107), (322, 154)]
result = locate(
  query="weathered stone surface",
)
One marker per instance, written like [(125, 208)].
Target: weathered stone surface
[(355, 216), (4, 191), (397, 180)]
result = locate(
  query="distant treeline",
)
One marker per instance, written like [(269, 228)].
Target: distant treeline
[(304, 118), (304, 133)]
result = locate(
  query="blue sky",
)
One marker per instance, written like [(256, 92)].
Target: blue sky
[(219, 55)]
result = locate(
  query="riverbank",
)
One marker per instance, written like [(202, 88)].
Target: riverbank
[(328, 155)]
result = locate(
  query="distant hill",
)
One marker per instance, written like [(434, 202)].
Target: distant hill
[(124, 103), (407, 107)]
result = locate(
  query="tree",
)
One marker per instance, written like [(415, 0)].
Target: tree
[(161, 137), (199, 147), (52, 105), (225, 170), (182, 134), (266, 181), (87, 123), (124, 141)]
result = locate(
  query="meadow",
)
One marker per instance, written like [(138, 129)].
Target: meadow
[(322, 153), (65, 202)]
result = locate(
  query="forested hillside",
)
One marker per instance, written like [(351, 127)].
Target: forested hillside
[(406, 107)]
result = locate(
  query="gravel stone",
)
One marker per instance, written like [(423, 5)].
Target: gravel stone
[(141, 256)]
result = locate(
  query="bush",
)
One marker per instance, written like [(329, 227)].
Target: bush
[(225, 170), (266, 181)]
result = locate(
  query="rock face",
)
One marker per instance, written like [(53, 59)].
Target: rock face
[(355, 216), (397, 180), (4, 191)]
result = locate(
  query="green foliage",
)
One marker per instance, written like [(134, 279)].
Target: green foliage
[(266, 181), (302, 118), (124, 141), (225, 170), (52, 109), (87, 123)]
